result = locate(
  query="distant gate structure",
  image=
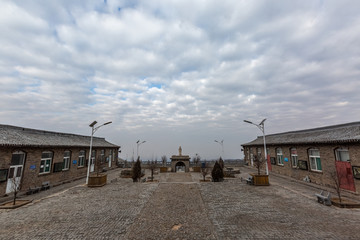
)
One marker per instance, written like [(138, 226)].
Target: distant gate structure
[(180, 162)]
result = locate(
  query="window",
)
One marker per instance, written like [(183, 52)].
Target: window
[(18, 158), (110, 155), (315, 162), (258, 151), (93, 158), (45, 164), (294, 157), (279, 156), (66, 161), (102, 155), (3, 174), (342, 155), (81, 162)]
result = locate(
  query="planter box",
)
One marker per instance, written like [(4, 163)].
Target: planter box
[(163, 169), (197, 169), (344, 203), (260, 180), (97, 181)]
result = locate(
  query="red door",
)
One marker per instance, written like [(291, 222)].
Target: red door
[(345, 175), (269, 163)]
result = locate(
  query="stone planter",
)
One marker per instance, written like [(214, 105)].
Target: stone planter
[(197, 169), (163, 169), (97, 180), (344, 203), (18, 203), (260, 180)]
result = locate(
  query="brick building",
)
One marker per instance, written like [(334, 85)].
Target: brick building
[(318, 155), (30, 157)]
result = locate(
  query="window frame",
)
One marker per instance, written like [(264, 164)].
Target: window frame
[(66, 160), (82, 158), (314, 160), (294, 158), (46, 161), (338, 156), (279, 157)]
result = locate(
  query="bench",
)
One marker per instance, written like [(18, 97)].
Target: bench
[(45, 186), (321, 198), (250, 180)]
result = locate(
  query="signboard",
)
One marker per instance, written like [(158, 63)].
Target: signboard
[(74, 161), (356, 172), (286, 159), (32, 167)]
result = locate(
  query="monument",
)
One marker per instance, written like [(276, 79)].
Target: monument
[(180, 162)]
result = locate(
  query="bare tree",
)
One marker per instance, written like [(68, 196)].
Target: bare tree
[(204, 170), (15, 187), (258, 163), (336, 180), (152, 166), (196, 159), (164, 160)]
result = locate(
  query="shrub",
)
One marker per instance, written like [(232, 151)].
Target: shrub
[(136, 171), (217, 173)]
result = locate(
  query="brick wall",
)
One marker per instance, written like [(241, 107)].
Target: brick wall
[(31, 176), (327, 156)]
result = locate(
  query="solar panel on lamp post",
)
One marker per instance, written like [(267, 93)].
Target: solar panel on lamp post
[(262, 128), (93, 130)]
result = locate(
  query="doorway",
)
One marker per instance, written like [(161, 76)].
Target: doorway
[(180, 167), (15, 171)]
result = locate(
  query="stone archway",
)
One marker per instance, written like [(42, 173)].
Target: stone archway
[(180, 167)]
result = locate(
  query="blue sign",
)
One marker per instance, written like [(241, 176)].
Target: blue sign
[(74, 161), (32, 167), (286, 159)]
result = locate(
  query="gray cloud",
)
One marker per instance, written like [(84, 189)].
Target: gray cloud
[(179, 72)]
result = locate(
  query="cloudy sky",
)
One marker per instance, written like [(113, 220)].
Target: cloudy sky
[(179, 72)]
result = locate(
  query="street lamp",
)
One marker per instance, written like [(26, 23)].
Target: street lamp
[(93, 130), (262, 128), (222, 146), (137, 149)]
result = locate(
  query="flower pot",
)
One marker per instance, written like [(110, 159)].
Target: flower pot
[(97, 180), (163, 169), (260, 180), (197, 169)]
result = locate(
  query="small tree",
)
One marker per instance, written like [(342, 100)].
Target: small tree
[(136, 170), (221, 163), (258, 162), (336, 181), (196, 159), (164, 160), (15, 187), (217, 173), (152, 167), (204, 170)]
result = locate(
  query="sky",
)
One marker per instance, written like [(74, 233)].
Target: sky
[(178, 72)]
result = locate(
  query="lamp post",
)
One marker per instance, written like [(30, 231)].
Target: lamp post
[(93, 130), (262, 128), (222, 146), (137, 149)]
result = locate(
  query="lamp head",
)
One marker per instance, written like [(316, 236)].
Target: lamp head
[(262, 122), (248, 121), (107, 123)]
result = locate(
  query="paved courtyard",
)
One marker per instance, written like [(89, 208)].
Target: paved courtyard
[(179, 206)]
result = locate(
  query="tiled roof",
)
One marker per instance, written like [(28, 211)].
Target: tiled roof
[(349, 132), (18, 136)]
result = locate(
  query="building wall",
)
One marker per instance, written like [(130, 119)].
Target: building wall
[(327, 156), (31, 176)]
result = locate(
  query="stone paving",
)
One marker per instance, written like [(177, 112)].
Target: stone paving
[(179, 206)]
